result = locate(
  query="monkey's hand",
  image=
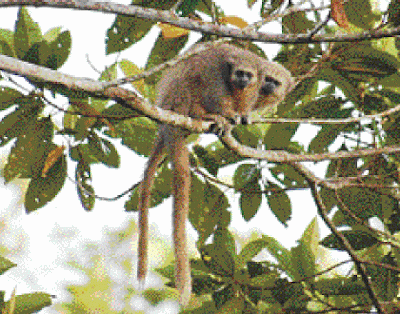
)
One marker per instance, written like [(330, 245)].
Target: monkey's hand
[(218, 127)]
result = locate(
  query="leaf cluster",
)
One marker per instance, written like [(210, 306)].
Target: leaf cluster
[(21, 304), (335, 82)]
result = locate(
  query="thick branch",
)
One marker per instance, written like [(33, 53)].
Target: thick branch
[(91, 87), (100, 89), (221, 30), (283, 156)]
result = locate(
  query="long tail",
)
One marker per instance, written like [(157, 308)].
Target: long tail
[(182, 183), (143, 206)]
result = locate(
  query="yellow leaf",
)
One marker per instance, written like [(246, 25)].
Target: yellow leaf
[(51, 159), (10, 305), (131, 69), (171, 31), (339, 14), (234, 20)]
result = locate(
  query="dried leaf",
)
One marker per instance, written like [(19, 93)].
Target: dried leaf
[(339, 14)]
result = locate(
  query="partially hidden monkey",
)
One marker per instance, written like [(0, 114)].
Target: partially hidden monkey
[(222, 81)]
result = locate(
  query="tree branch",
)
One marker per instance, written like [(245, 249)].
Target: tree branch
[(58, 80), (166, 16), (347, 246)]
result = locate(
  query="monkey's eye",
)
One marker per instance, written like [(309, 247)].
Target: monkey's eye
[(244, 74), (269, 86), (242, 78)]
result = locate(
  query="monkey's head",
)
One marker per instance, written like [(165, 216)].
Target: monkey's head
[(240, 76), (277, 82), (269, 85)]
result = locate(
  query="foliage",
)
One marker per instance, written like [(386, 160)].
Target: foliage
[(106, 267), (335, 82), (21, 304)]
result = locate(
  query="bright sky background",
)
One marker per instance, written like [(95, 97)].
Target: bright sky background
[(88, 31)]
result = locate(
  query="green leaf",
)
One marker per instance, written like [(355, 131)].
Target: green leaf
[(250, 200), (297, 22), (305, 92), (279, 202), (223, 296), (363, 13), (138, 134), (265, 280), (203, 284), (244, 174), (246, 179), (358, 240), (208, 207), (282, 255), (126, 31), (206, 159), (83, 178), (162, 187), (8, 97), (250, 250), (167, 272), (5, 265), (103, 150), (345, 84), (247, 136), (233, 305), (156, 296), (325, 137), (218, 260), (339, 286), (364, 203), (110, 73), (59, 50), (7, 42), (119, 110), (130, 69), (288, 177), (223, 238), (222, 156), (304, 259), (52, 34), (30, 302), (279, 135), (394, 13), (187, 7), (323, 108), (43, 190), (163, 50), (29, 152), (386, 280), (27, 33), (285, 291)]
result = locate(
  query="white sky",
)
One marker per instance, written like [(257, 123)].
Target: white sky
[(88, 32)]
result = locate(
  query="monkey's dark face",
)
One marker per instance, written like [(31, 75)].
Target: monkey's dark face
[(269, 86), (240, 77)]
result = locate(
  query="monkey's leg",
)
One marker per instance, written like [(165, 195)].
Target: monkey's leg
[(144, 203), (182, 182)]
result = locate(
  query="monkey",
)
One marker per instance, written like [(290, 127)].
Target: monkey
[(277, 83), (222, 81)]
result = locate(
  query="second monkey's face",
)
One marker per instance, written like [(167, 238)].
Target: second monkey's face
[(277, 82)]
